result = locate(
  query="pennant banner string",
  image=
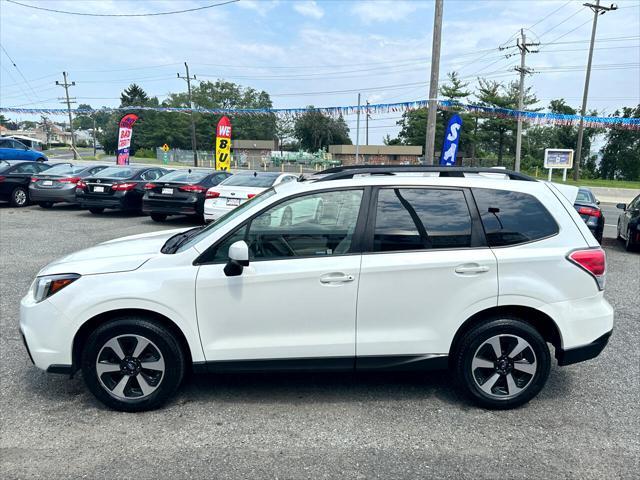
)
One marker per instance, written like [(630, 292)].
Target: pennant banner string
[(540, 118)]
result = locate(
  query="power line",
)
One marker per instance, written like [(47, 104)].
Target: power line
[(563, 21), (19, 70), (547, 16), (66, 12)]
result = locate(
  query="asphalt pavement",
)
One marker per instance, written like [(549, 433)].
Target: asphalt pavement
[(584, 424)]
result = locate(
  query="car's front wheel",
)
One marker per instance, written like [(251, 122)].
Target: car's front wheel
[(628, 244), (19, 197), (132, 364), (502, 363)]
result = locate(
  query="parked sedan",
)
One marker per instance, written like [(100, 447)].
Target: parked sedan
[(120, 188), (238, 189), (58, 183), (14, 180), (11, 149), (181, 192), (629, 223), (589, 209)]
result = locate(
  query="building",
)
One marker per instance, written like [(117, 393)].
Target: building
[(376, 154), (251, 152)]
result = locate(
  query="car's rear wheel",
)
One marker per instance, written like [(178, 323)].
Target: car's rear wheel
[(19, 197), (46, 204), (132, 364), (96, 210), (158, 217), (502, 363)]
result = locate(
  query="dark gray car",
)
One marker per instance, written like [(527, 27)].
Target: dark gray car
[(58, 184)]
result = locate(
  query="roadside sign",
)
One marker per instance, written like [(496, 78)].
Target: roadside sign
[(165, 148), (558, 158)]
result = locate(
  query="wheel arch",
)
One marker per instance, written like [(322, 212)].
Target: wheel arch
[(542, 322), (91, 324)]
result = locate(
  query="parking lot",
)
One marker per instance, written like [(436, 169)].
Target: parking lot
[(584, 424)]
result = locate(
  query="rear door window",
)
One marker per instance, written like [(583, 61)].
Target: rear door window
[(421, 218), (510, 218)]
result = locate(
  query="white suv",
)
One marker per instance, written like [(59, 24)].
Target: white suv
[(356, 268)]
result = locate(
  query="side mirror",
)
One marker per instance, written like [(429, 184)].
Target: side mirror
[(238, 258), (621, 206)]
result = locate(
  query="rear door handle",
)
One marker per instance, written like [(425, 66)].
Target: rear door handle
[(336, 277), (471, 268)]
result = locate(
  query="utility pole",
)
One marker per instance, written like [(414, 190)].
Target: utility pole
[(367, 125), (69, 101), (433, 84), (597, 10), (93, 117), (523, 46), (47, 131), (358, 132), (194, 145)]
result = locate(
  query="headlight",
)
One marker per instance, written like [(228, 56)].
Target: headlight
[(44, 287)]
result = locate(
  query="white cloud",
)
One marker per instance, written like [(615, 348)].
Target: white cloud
[(384, 10), (262, 8), (309, 9)]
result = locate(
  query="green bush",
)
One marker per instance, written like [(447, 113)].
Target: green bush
[(145, 153)]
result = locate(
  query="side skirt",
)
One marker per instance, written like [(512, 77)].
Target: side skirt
[(329, 364)]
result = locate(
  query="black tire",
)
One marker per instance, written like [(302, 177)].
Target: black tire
[(199, 218), (19, 197), (96, 210), (628, 244), (158, 217), (46, 204), (125, 330), (535, 356)]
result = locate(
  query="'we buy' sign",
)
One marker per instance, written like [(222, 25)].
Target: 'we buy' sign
[(223, 144)]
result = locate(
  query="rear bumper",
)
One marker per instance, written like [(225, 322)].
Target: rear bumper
[(53, 194), (211, 214), (586, 352), (171, 208), (116, 203)]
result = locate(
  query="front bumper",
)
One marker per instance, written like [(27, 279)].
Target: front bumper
[(586, 352)]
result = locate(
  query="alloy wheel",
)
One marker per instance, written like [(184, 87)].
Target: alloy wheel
[(20, 197), (130, 367), (503, 366)]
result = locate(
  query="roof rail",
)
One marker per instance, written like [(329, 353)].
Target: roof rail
[(349, 171)]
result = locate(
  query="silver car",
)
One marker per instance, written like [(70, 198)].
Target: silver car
[(58, 184)]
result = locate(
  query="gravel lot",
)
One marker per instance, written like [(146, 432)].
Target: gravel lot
[(585, 423)]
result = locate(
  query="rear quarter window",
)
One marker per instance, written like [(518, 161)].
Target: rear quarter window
[(511, 218)]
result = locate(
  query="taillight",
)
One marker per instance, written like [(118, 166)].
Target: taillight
[(2, 179), (33, 179), (81, 184), (592, 212), (212, 194), (593, 261), (251, 195), (70, 180), (192, 188), (150, 186), (124, 187)]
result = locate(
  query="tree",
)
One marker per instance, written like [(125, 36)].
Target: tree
[(83, 121), (315, 130), (134, 96), (621, 153)]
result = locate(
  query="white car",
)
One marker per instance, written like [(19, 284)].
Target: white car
[(340, 272), (239, 188)]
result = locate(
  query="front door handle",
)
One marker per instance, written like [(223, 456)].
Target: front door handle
[(471, 268), (336, 277)]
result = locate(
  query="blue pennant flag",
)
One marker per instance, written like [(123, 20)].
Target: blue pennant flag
[(451, 139)]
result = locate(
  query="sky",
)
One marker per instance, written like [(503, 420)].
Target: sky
[(319, 53)]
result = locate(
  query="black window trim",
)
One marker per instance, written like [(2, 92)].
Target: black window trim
[(356, 241), (558, 228), (478, 239)]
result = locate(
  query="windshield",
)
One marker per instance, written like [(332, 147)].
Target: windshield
[(64, 169), (259, 180), (222, 221), (184, 176), (116, 172), (584, 196)]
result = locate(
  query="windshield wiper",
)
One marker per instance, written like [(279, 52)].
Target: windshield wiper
[(179, 239)]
